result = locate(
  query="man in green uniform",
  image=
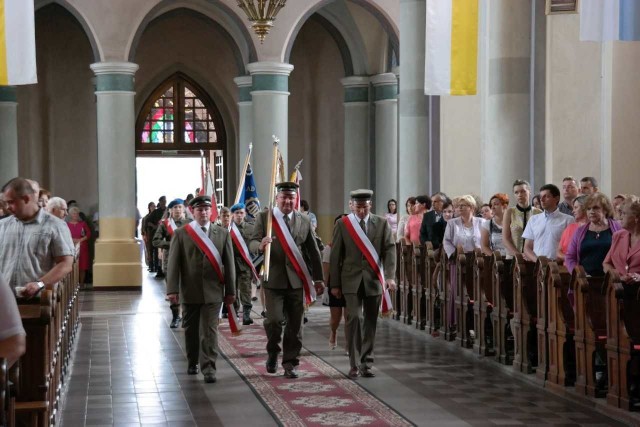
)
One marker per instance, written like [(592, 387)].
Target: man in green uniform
[(244, 274)]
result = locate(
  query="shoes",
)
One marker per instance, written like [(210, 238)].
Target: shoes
[(160, 275), (290, 372), (369, 359), (272, 363), (254, 299), (246, 315), (367, 373), (225, 315), (263, 314), (247, 321), (333, 339), (305, 320), (193, 370), (209, 378), (175, 322), (353, 373)]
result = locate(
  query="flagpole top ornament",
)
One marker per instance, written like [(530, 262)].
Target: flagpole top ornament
[(250, 146), (297, 166), (276, 140)]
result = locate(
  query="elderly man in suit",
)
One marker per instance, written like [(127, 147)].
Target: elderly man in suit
[(289, 277), (201, 276), (361, 243)]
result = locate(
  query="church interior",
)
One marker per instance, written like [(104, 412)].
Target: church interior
[(340, 84)]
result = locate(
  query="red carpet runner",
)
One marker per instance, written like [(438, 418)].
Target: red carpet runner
[(321, 396)]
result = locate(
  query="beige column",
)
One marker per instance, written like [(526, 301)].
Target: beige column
[(118, 264)]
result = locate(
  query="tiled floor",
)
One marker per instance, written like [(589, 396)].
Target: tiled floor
[(130, 370)]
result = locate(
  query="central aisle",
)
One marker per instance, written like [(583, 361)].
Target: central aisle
[(130, 369)]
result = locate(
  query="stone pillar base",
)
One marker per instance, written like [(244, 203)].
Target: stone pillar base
[(117, 265)]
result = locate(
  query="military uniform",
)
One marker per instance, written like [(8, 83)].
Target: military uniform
[(243, 273), (283, 290), (201, 294), (352, 274), (162, 240)]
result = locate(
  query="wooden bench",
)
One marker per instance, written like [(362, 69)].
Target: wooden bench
[(623, 341), (426, 305), (560, 327), (449, 300), (405, 287), (502, 315), (525, 314), (590, 294), (399, 276), (465, 297), (483, 307), (418, 287)]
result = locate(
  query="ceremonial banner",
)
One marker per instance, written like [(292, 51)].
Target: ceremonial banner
[(249, 194), (295, 257), (209, 190), (371, 255), (17, 43), (206, 245), (297, 177), (451, 58), (608, 20)]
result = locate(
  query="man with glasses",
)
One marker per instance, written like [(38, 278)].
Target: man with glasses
[(427, 233), (362, 243), (288, 287)]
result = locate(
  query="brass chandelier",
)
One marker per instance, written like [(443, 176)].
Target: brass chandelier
[(261, 13)]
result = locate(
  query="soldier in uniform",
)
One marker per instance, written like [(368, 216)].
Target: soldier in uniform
[(353, 277), (162, 239), (284, 290), (243, 271), (195, 281)]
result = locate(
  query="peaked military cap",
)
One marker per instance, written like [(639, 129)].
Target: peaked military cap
[(361, 195), (175, 202), (287, 186), (236, 207), (200, 201)]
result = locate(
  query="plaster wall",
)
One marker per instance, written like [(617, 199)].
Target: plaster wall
[(316, 121), (57, 117)]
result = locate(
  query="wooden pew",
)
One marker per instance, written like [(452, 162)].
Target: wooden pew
[(449, 300), (623, 340), (405, 288), (525, 314), (465, 297), (418, 287), (590, 295), (438, 293), (483, 307), (430, 286), (560, 327), (502, 315), (397, 300)]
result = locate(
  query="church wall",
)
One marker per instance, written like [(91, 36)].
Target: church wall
[(199, 49), (625, 134), (316, 122), (574, 114), (374, 36), (57, 117)]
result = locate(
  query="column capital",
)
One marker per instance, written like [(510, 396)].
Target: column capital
[(243, 81), (384, 79), (271, 68), (8, 94), (355, 81), (114, 76), (245, 86), (385, 87)]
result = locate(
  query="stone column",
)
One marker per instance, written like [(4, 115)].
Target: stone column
[(8, 134), (117, 260), (245, 115), (385, 96), (413, 144), (270, 112), (356, 135)]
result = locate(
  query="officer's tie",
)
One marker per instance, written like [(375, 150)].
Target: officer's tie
[(363, 225), (204, 229), (286, 221)]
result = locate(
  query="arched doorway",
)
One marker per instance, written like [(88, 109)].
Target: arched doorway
[(179, 119)]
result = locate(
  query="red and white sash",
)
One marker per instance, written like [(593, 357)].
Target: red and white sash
[(206, 245), (293, 253), (239, 242), (170, 225), (371, 255)]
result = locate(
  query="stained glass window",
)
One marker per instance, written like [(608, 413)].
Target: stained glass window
[(179, 113)]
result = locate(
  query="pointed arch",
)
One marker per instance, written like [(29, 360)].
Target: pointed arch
[(84, 23)]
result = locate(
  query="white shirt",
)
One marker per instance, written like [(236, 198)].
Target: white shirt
[(545, 230), (457, 234)]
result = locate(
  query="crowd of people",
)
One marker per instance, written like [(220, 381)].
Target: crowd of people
[(213, 266)]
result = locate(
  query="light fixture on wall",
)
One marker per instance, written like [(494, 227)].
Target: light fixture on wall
[(261, 13)]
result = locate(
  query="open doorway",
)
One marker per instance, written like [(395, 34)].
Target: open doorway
[(173, 177)]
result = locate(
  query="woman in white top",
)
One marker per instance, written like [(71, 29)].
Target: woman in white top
[(492, 229), (463, 230)]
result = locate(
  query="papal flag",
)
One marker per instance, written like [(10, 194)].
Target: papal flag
[(17, 43), (608, 20), (451, 59)]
